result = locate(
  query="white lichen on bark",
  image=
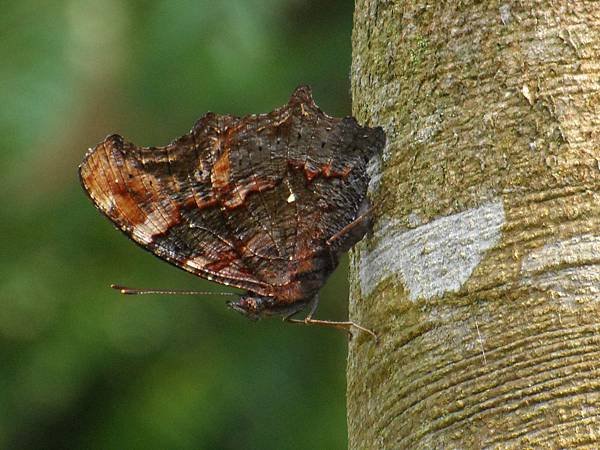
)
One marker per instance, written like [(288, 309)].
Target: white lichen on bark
[(434, 258), (569, 269)]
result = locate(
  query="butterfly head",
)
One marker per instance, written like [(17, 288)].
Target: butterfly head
[(252, 306), (255, 307)]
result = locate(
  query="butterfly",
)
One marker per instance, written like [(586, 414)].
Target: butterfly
[(267, 203)]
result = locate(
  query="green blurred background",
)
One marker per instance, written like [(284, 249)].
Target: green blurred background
[(82, 367)]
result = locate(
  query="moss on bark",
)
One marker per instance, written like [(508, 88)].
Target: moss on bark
[(482, 102)]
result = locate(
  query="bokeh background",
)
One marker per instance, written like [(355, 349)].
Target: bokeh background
[(82, 367)]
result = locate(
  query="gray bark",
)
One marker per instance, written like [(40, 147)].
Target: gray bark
[(482, 274)]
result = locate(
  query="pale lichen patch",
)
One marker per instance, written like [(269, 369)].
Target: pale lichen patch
[(505, 15), (569, 269), (434, 258), (429, 127), (374, 172), (528, 94)]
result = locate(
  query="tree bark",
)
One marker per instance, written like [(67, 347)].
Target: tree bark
[(482, 274)]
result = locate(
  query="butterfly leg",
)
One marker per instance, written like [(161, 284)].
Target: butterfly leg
[(337, 240), (308, 320), (348, 228), (313, 307)]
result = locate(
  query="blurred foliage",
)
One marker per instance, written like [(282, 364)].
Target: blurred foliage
[(85, 368)]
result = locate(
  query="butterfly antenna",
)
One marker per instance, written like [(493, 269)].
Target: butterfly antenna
[(133, 291)]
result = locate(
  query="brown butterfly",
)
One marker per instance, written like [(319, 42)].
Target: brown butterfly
[(267, 202)]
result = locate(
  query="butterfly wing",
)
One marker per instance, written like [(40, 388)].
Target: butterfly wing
[(248, 201), (163, 199)]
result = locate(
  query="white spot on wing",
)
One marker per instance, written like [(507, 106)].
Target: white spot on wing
[(434, 258), (291, 198)]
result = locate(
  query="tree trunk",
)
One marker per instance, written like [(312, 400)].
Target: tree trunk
[(482, 274)]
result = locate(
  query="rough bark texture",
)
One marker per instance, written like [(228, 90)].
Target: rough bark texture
[(482, 275)]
